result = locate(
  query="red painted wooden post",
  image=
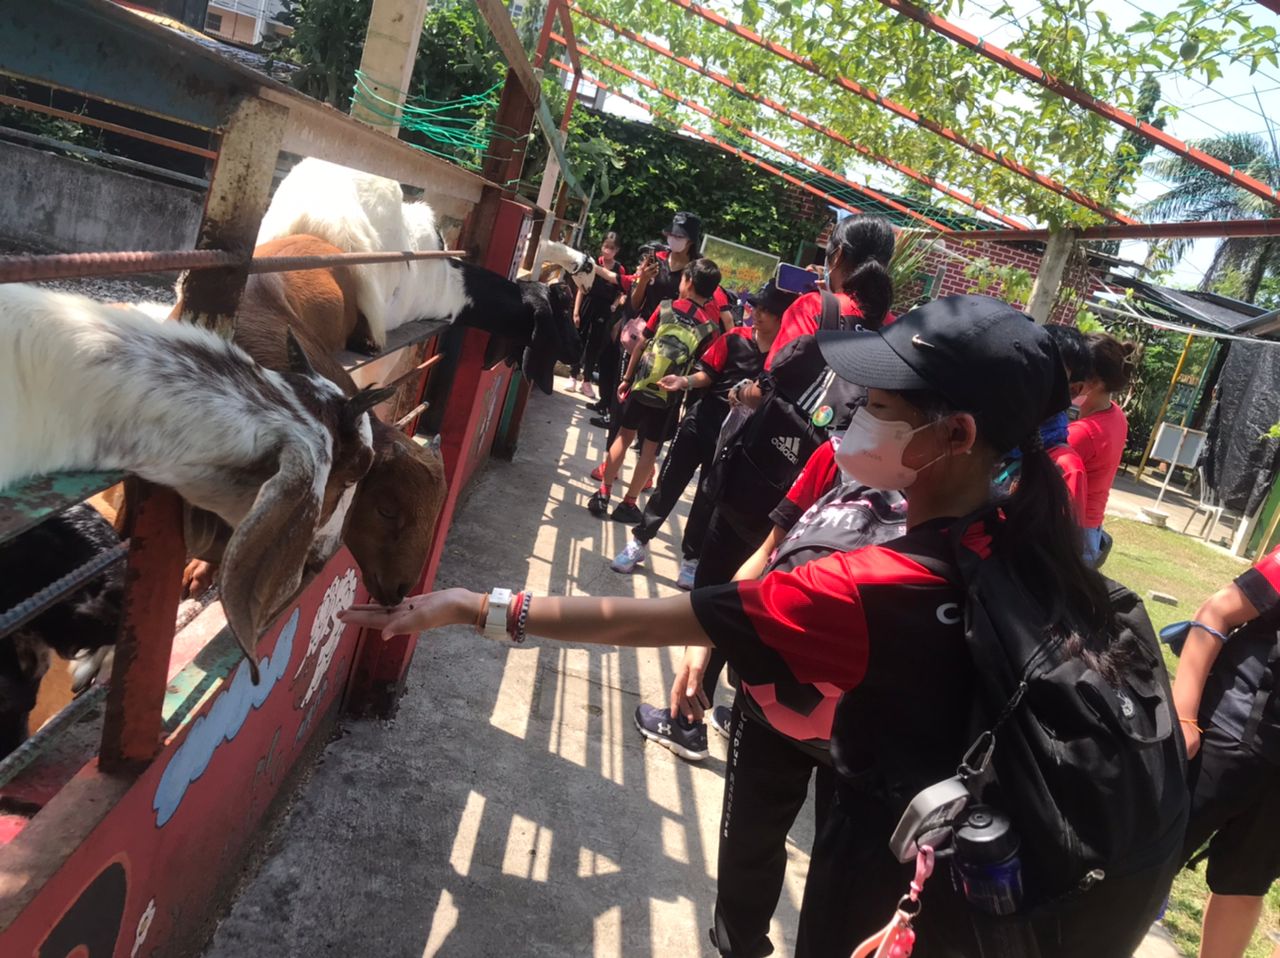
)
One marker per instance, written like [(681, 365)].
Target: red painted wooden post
[(131, 732)]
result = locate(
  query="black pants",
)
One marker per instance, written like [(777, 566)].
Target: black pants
[(766, 784), (610, 369), (594, 335), (691, 449)]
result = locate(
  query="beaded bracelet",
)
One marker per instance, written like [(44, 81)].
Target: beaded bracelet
[(522, 621)]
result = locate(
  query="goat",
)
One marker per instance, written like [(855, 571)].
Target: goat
[(274, 455), (360, 212), (84, 622), (393, 515)]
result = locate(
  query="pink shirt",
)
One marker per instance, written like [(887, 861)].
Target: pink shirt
[(1099, 439)]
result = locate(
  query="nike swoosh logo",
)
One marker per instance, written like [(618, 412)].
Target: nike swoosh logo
[(917, 341)]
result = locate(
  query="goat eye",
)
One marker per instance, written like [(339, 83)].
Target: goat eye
[(386, 512)]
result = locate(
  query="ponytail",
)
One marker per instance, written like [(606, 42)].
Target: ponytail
[(1113, 361), (1042, 544), (872, 286), (865, 244)]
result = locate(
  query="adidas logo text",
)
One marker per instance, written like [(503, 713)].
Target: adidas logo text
[(788, 446)]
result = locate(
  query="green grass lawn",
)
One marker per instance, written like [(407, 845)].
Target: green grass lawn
[(1148, 559)]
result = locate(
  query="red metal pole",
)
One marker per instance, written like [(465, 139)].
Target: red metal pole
[(733, 150), (790, 154), (1091, 103), (1199, 229), (800, 118), (544, 38), (906, 113)]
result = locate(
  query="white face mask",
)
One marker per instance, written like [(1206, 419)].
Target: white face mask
[(678, 244), (871, 449)]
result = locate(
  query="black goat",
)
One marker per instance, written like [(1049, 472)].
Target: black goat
[(85, 621)]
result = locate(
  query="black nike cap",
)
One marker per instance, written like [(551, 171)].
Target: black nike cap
[(981, 354)]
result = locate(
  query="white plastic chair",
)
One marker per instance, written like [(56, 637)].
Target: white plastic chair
[(1214, 511)]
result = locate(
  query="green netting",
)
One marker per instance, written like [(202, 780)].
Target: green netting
[(460, 130)]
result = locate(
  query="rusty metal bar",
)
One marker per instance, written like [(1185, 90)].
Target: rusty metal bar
[(110, 127), (30, 750), (719, 144), (871, 96), (32, 268), (795, 157), (1079, 97), (412, 414), (132, 729), (57, 590), (800, 118)]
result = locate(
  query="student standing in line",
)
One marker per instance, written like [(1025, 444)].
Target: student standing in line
[(591, 313), (677, 333), (731, 358), (948, 389), (1227, 694), (1101, 431)]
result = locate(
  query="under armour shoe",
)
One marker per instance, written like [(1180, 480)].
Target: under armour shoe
[(631, 556), (627, 512), (688, 569), (598, 505), (686, 739), (719, 718)]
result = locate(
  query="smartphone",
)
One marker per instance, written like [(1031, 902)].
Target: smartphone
[(794, 279)]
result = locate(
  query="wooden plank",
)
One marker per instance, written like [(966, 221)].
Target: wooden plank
[(417, 331), (504, 33), (390, 48), (33, 500)]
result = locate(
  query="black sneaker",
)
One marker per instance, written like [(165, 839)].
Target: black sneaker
[(598, 505), (719, 718), (604, 422), (627, 512), (686, 739)]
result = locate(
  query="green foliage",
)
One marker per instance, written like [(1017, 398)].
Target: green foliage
[(1010, 283), (660, 173), (983, 101), (326, 43)]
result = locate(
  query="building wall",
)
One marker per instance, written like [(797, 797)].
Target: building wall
[(237, 20), (67, 204)]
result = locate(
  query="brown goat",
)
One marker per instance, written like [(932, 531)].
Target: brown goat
[(393, 516)]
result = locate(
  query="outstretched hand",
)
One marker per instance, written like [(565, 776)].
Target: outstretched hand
[(417, 613), (673, 383)]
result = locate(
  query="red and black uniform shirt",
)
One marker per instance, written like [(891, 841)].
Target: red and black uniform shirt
[(1242, 693), (730, 359), (666, 285), (823, 513), (875, 624), (803, 316), (705, 313)]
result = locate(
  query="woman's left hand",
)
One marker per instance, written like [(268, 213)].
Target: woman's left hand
[(417, 613)]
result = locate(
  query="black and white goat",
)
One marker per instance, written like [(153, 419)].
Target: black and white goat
[(359, 212), (275, 455), (84, 622)]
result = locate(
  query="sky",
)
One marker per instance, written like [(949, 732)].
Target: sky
[(1229, 105)]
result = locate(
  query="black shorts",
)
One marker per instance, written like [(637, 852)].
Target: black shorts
[(1235, 806), (651, 423)]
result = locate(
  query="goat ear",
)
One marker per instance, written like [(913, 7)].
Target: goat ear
[(366, 399), (298, 361), (262, 565)]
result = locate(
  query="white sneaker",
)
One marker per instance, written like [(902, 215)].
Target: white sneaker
[(688, 569), (587, 389), (631, 556), (573, 385)]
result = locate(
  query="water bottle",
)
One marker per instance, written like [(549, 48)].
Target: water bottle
[(987, 858), (990, 874)]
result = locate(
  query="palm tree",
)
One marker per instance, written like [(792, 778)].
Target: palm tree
[(1198, 194)]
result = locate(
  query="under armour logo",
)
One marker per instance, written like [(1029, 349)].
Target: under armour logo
[(664, 728)]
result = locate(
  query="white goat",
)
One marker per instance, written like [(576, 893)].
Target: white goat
[(360, 213), (85, 385)]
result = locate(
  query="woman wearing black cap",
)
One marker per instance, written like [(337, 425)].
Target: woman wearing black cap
[(948, 388)]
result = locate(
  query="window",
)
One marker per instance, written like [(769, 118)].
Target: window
[(213, 22)]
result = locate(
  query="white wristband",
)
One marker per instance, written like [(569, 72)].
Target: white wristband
[(495, 623)]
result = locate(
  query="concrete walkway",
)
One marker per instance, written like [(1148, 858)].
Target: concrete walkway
[(510, 808)]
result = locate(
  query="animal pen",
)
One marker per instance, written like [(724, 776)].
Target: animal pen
[(126, 820)]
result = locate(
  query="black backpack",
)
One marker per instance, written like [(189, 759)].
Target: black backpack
[(756, 468), (1092, 776)]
